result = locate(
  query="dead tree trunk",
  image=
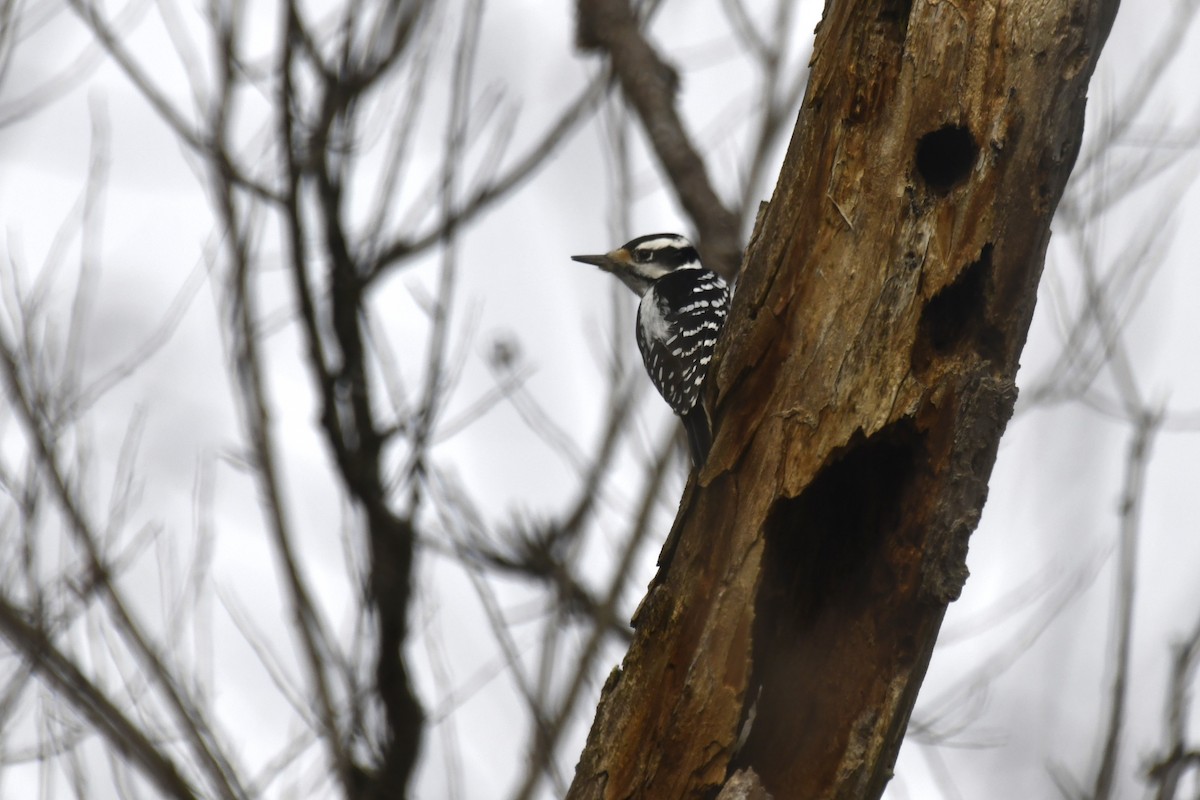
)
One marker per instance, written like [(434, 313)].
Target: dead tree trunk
[(866, 378)]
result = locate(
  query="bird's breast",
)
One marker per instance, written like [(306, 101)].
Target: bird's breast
[(651, 318)]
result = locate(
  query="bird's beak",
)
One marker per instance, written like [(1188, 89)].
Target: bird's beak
[(599, 261), (609, 262)]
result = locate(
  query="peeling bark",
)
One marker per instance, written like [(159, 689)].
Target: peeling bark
[(865, 380)]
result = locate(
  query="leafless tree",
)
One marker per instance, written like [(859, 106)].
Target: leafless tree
[(341, 148)]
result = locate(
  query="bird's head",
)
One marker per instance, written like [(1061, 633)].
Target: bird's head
[(642, 261)]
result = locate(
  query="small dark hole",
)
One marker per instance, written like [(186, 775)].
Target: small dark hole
[(946, 156)]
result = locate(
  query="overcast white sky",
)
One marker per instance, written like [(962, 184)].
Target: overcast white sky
[(1049, 530)]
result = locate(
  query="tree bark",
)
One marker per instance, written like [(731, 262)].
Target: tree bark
[(865, 379)]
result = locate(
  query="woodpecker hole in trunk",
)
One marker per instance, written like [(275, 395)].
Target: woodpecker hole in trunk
[(894, 14), (955, 320), (835, 556), (945, 157)]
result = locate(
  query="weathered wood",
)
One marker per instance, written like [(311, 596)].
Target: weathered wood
[(866, 378)]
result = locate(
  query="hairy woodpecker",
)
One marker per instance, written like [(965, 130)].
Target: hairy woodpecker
[(681, 314)]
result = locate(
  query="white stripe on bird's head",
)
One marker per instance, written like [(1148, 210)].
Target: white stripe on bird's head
[(665, 251)]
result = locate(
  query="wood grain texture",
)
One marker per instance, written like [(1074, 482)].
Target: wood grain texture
[(864, 382)]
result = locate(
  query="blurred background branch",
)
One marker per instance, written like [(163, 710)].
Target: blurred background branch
[(372, 515)]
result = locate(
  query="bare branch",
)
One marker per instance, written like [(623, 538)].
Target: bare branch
[(404, 248), (1131, 500), (308, 625), (185, 129), (205, 746), (1176, 759), (651, 85), (60, 672), (544, 746)]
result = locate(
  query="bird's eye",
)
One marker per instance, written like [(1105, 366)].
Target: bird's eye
[(642, 256)]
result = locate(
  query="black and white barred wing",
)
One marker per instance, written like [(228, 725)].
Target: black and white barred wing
[(678, 323)]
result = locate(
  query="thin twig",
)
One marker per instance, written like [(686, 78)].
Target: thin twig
[(60, 672), (1132, 496), (1176, 759), (545, 744)]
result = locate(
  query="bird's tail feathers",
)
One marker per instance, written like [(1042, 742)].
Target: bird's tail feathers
[(699, 433)]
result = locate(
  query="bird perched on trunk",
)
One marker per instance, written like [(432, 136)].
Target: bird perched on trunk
[(682, 312)]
